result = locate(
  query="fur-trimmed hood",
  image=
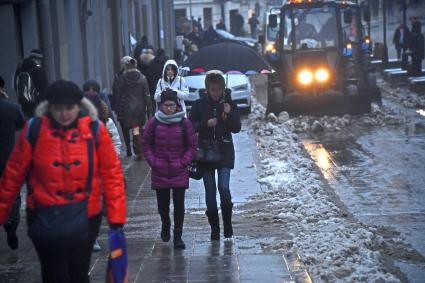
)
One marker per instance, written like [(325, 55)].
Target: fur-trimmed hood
[(85, 104)]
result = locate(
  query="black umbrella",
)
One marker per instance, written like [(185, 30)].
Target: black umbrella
[(227, 57)]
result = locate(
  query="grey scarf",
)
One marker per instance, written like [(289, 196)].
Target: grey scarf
[(169, 119)]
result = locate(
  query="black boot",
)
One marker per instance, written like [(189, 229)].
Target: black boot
[(214, 223), (165, 229), (165, 232), (178, 227), (178, 242), (12, 239), (226, 211)]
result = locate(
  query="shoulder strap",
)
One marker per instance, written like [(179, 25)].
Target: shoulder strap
[(33, 130), (94, 128)]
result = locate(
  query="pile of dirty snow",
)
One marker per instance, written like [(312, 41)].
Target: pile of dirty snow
[(403, 96), (332, 246), (379, 116)]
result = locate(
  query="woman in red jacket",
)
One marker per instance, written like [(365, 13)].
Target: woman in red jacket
[(67, 162), (169, 145)]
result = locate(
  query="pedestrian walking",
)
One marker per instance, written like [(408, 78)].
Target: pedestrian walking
[(215, 117), (221, 25), (11, 120), (401, 39), (169, 145), (253, 24), (30, 82), (142, 46), (170, 80), (69, 162), (196, 37), (416, 47), (132, 103), (104, 117), (93, 87), (156, 68)]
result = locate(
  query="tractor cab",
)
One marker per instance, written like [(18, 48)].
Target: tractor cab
[(323, 60)]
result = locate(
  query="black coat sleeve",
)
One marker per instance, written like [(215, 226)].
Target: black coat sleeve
[(198, 120)]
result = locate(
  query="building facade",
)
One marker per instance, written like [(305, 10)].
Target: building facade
[(81, 39), (211, 11)]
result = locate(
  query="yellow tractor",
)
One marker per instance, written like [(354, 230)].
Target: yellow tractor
[(322, 60)]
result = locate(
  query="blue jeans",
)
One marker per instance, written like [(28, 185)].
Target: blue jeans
[(211, 187)]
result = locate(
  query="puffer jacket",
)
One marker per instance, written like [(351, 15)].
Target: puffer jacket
[(132, 101), (169, 153), (204, 109), (57, 168)]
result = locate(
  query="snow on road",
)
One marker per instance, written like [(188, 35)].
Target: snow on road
[(331, 244)]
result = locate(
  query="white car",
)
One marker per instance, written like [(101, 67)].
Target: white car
[(238, 83)]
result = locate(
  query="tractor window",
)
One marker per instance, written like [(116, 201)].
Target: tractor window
[(314, 28), (351, 32)]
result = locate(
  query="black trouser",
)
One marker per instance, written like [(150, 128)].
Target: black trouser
[(416, 68), (71, 264), (163, 198), (126, 136)]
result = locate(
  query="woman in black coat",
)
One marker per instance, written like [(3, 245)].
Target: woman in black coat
[(215, 117)]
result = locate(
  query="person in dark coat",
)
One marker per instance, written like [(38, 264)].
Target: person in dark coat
[(253, 24), (33, 66), (169, 145), (416, 47), (11, 120), (93, 87), (132, 102), (155, 72), (215, 117), (143, 44), (401, 39), (196, 37), (221, 25), (211, 36)]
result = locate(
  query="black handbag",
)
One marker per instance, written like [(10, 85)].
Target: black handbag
[(58, 226), (195, 170), (208, 151)]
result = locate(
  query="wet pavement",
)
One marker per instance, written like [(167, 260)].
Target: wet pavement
[(379, 175), (240, 259)]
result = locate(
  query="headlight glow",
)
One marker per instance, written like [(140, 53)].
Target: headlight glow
[(321, 75), (305, 77), (270, 48)]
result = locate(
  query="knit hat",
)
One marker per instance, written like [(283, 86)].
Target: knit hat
[(36, 54), (63, 92), (169, 95), (91, 84), (128, 62)]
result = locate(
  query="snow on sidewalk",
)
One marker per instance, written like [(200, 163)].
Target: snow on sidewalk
[(332, 245)]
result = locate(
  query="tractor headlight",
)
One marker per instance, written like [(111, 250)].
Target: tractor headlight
[(305, 77), (321, 75), (270, 48)]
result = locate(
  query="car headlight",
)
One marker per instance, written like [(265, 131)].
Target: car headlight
[(321, 75), (240, 87), (305, 77), (251, 43)]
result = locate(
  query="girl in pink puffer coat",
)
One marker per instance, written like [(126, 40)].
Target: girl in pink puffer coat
[(169, 144)]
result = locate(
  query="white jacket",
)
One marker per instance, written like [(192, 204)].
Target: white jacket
[(178, 84), (115, 136)]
